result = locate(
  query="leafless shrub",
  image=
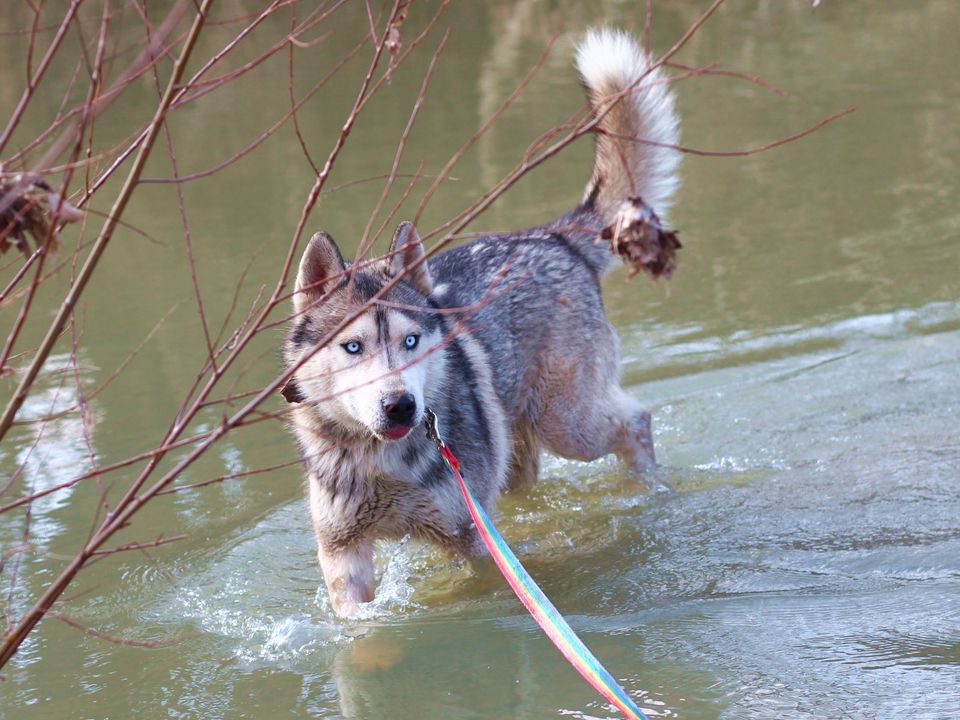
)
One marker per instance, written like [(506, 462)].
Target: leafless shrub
[(52, 179)]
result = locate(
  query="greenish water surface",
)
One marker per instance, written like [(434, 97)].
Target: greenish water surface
[(801, 367)]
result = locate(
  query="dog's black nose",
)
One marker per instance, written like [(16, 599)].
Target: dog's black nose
[(400, 409)]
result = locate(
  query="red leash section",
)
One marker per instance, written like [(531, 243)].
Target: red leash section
[(537, 603)]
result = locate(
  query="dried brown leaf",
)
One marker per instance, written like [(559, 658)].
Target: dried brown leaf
[(31, 212), (637, 235)]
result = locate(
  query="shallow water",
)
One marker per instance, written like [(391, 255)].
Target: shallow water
[(802, 558)]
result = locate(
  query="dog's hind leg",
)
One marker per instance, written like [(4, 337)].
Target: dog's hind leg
[(525, 460), (585, 414), (611, 423)]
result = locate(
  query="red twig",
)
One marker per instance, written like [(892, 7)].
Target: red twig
[(647, 24), (749, 77), (32, 617), (33, 81), (139, 545), (257, 142), (110, 378), (455, 158), (754, 150), (102, 470), (223, 478), (178, 100), (106, 234), (260, 315), (18, 276), (365, 241), (134, 499), (109, 638)]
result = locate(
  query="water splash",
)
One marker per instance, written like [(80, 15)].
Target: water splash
[(395, 590)]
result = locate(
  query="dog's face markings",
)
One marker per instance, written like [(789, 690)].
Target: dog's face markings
[(373, 374), (302, 332), (378, 367)]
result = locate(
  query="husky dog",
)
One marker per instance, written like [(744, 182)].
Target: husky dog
[(504, 338)]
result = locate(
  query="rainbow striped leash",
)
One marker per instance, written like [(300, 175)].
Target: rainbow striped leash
[(537, 604)]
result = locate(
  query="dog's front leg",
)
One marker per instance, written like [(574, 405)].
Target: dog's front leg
[(348, 572)]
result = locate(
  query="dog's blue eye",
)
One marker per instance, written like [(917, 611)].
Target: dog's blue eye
[(353, 347), (410, 341)]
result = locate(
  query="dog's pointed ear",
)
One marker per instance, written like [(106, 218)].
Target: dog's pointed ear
[(321, 269), (405, 250)]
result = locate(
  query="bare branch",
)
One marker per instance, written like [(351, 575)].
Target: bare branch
[(109, 638), (221, 385), (34, 80), (106, 233)]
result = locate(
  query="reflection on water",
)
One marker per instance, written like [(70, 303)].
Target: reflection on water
[(803, 557), (54, 445)]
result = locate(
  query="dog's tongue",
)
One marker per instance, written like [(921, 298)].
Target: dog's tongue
[(397, 433)]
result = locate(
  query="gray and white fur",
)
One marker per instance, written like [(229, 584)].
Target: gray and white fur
[(505, 338)]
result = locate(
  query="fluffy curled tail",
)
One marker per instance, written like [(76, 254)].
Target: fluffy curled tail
[(636, 106)]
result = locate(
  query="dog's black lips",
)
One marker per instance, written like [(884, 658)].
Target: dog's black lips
[(291, 392)]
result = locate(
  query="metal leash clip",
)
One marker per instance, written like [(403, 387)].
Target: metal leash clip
[(433, 428)]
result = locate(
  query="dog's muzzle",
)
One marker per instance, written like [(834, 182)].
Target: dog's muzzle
[(400, 411)]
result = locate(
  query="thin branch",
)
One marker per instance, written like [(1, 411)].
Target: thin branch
[(749, 77), (748, 151), (223, 478), (133, 500), (102, 470), (266, 134), (28, 91), (110, 638), (113, 375), (365, 240), (139, 545), (455, 158), (106, 233), (19, 275)]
